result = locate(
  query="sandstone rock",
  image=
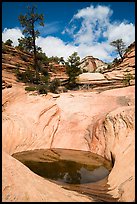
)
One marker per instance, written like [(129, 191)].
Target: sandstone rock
[(127, 66), (86, 77), (19, 184), (101, 123), (120, 135), (91, 64)]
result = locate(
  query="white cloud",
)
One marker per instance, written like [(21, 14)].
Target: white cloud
[(13, 34), (91, 31), (95, 24), (94, 21), (125, 31), (94, 13), (100, 50), (54, 46)]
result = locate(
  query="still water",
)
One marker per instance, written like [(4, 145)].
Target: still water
[(66, 166), (68, 171)]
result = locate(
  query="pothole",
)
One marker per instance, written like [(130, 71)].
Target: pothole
[(66, 166), (74, 170)]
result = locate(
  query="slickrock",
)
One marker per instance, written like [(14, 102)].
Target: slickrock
[(102, 123), (120, 135), (19, 184), (87, 77)]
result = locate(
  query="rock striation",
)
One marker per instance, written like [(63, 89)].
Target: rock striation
[(125, 67), (92, 64), (91, 78), (102, 123)]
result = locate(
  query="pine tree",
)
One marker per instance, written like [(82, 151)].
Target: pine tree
[(72, 67), (9, 42), (28, 22), (119, 47)]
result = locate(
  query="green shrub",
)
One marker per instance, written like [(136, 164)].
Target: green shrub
[(54, 85), (42, 57), (44, 79), (8, 42), (24, 58), (30, 76), (26, 76), (42, 89), (117, 61), (4, 48), (35, 79), (44, 71), (19, 48), (18, 74), (126, 79), (85, 71), (30, 88), (127, 49), (72, 86), (101, 71), (109, 66)]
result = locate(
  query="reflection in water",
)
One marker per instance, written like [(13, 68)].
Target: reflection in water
[(68, 171), (81, 171), (93, 176)]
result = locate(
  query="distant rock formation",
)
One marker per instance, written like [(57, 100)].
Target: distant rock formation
[(92, 64), (116, 75)]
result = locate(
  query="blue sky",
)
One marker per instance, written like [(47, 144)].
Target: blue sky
[(84, 27)]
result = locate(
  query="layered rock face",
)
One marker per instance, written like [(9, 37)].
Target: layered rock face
[(92, 64), (13, 59), (102, 123), (125, 67), (118, 75)]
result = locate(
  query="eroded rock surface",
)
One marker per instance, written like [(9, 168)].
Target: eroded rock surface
[(102, 123), (88, 77), (92, 64), (125, 67)]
